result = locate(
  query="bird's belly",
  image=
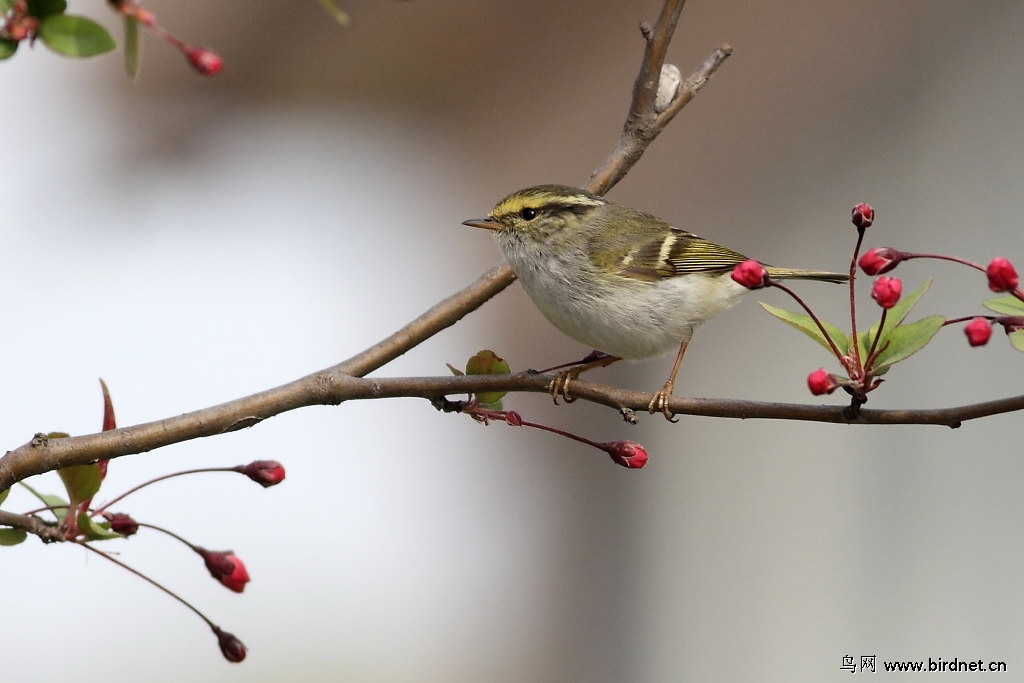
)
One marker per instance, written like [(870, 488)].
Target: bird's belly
[(628, 318)]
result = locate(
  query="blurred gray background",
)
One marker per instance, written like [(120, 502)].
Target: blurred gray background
[(193, 240)]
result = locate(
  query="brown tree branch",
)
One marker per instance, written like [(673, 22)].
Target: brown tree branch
[(333, 386), (47, 533), (644, 122)]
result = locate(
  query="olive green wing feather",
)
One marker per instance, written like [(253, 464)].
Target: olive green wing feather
[(656, 250), (675, 252)]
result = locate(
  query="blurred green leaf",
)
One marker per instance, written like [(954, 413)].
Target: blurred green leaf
[(12, 536), (1017, 340), (1005, 305), (44, 8), (7, 48), (336, 12), (74, 36), (59, 505), (95, 530), (131, 49), (81, 481), (806, 324)]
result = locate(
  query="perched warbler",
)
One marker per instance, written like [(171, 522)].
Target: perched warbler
[(621, 281)]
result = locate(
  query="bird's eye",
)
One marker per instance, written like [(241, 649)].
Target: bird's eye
[(528, 213)]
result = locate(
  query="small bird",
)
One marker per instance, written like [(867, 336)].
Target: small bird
[(621, 281)]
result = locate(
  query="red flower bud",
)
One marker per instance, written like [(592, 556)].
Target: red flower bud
[(204, 61), (978, 331), (880, 260), (122, 523), (266, 473), (750, 274), (1001, 275), (863, 216), (821, 382), (225, 567), (886, 291), (230, 646), (627, 453)]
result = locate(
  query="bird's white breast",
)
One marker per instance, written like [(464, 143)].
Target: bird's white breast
[(619, 315)]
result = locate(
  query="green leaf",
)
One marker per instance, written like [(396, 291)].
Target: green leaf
[(12, 536), (44, 8), (492, 405), (59, 505), (906, 340), (1005, 305), (486, 362), (898, 313), (74, 36), (1017, 340), (893, 317), (81, 481), (336, 13), (8, 48), (3, 495), (131, 48), (95, 530), (5, 5), (806, 324)]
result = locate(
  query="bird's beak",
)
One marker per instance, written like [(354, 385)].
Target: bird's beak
[(485, 223)]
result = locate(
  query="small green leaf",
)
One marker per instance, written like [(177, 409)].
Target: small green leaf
[(492, 405), (81, 481), (1017, 340), (74, 36), (3, 495), (12, 536), (1005, 305), (95, 530), (336, 13), (906, 340), (898, 313), (59, 506), (44, 8), (893, 317), (7, 48), (487, 362), (806, 324), (455, 370), (131, 49)]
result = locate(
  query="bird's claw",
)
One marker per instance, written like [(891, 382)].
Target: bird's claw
[(660, 402), (560, 385)]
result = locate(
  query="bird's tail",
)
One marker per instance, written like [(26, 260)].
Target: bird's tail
[(796, 274)]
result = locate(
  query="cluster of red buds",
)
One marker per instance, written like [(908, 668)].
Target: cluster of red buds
[(82, 523), (865, 359)]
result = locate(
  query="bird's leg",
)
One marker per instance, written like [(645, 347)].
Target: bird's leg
[(661, 399), (560, 384), (594, 355)]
